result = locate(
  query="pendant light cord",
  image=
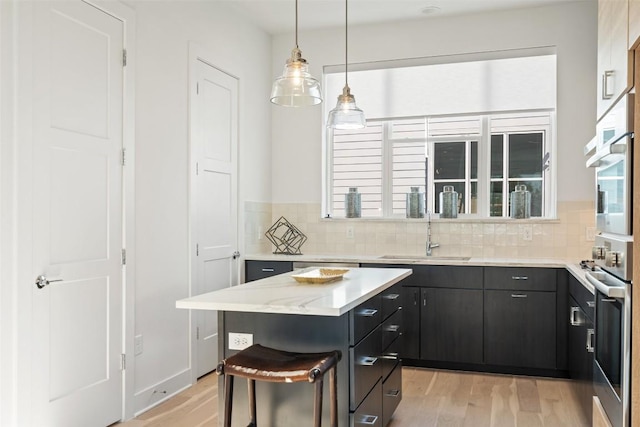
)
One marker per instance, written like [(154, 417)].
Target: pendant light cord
[(346, 43), (296, 24)]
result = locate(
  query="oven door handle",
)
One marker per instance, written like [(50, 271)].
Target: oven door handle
[(610, 291)]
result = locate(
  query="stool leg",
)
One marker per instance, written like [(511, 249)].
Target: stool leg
[(333, 394), (252, 401), (228, 399), (317, 407)]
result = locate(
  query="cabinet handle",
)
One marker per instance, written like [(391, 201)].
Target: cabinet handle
[(590, 335), (520, 277), (391, 296), (392, 328), (367, 312), (608, 299), (390, 356), (424, 302), (268, 270), (606, 76), (368, 361), (393, 393), (518, 295), (591, 304), (367, 420), (575, 321)]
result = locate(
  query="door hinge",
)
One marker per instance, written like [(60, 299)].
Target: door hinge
[(124, 256), (197, 332), (197, 88), (123, 159), (123, 362), (124, 57), (197, 168), (197, 249)]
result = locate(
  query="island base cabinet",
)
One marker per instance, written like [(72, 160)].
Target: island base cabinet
[(391, 394), (520, 328), (369, 413)]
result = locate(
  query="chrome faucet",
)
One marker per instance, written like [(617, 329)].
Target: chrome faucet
[(430, 244)]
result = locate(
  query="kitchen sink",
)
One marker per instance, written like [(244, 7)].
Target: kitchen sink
[(425, 257)]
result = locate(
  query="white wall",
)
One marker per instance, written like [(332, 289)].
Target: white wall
[(164, 30), (571, 28)]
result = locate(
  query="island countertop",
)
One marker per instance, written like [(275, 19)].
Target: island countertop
[(282, 294)]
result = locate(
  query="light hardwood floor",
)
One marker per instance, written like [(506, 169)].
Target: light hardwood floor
[(430, 398)]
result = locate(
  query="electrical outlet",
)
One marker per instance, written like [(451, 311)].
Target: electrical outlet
[(138, 346), (238, 341), (527, 232), (350, 232), (591, 234)]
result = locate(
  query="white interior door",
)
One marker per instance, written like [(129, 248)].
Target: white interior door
[(78, 233), (214, 147)]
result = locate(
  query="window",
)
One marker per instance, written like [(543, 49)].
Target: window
[(483, 157)]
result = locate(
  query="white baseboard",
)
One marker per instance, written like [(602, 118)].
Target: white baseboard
[(161, 391)]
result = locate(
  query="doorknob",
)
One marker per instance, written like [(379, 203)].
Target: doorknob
[(42, 281), (236, 255)]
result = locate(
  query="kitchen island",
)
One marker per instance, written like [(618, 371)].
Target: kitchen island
[(358, 315)]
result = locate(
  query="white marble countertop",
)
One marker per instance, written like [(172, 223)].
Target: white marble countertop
[(571, 265), (281, 294)]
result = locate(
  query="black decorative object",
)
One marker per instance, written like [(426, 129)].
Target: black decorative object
[(285, 237)]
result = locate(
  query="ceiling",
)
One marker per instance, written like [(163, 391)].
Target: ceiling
[(278, 16)]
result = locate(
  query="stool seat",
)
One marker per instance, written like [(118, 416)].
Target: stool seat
[(267, 364), (259, 363)]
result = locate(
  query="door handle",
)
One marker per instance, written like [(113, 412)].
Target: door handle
[(236, 255), (42, 281)]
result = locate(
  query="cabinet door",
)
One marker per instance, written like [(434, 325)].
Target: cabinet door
[(520, 328), (613, 53), (580, 356), (634, 22), (410, 323), (451, 325)]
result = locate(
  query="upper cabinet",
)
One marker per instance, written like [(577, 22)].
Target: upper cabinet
[(614, 77), (634, 23)]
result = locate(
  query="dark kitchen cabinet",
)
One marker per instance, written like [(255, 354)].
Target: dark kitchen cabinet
[(520, 328), (254, 270), (451, 325), (580, 345), (411, 322)]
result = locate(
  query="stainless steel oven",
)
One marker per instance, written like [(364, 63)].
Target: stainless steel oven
[(611, 154), (612, 282)]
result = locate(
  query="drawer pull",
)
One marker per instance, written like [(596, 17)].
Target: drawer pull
[(393, 393), (520, 277), (390, 356), (392, 328), (591, 304), (391, 296), (367, 312), (268, 270), (590, 335), (367, 420), (574, 318), (368, 361), (518, 295)]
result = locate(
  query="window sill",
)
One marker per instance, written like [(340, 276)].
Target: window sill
[(462, 219)]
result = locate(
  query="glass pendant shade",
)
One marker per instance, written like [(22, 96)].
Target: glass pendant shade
[(296, 87), (346, 115)]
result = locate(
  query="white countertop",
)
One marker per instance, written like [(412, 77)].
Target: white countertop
[(281, 294)]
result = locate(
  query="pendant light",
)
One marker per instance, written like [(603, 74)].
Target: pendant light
[(296, 87), (346, 115)]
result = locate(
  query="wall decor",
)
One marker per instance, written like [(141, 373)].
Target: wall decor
[(286, 237)]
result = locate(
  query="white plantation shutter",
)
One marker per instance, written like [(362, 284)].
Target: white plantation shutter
[(357, 162)]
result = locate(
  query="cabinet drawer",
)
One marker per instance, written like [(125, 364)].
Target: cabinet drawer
[(367, 369), (520, 278), (391, 300), (582, 296), (255, 270), (460, 277), (390, 357), (364, 318), (391, 329), (369, 413), (391, 394)]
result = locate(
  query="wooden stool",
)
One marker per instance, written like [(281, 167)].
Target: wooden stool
[(268, 364)]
